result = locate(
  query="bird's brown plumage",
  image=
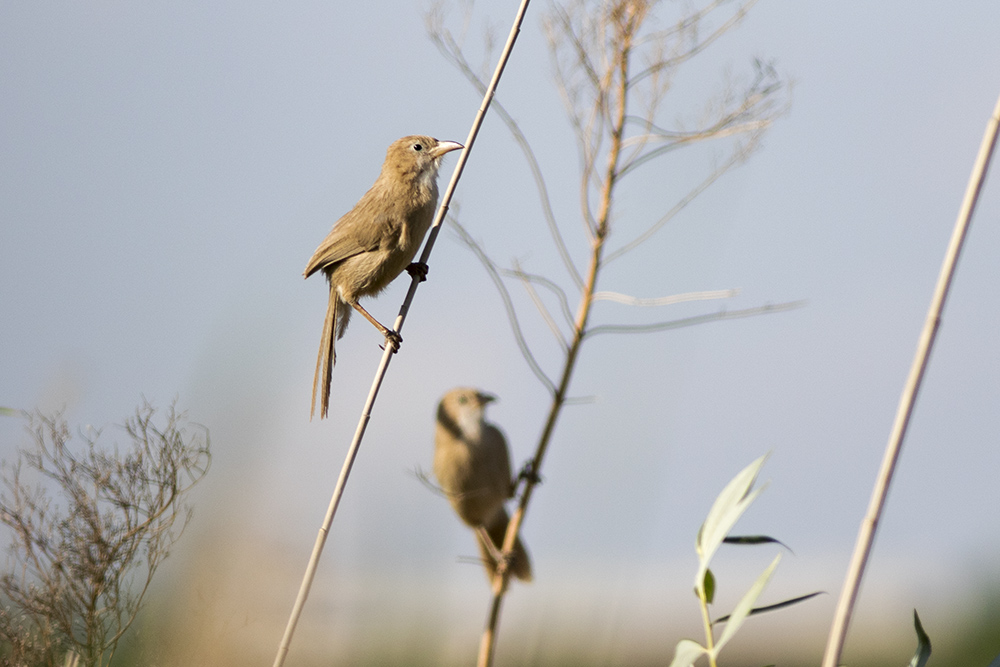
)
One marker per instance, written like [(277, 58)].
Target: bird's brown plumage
[(374, 242), (472, 466)]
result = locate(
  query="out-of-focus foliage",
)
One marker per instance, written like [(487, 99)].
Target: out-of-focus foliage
[(90, 525)]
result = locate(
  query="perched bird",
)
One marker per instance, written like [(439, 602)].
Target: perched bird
[(472, 466), (375, 242)]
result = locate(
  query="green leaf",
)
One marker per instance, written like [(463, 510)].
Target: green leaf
[(726, 511), (686, 653), (754, 539), (773, 607), (744, 606), (923, 644), (9, 412), (709, 586)]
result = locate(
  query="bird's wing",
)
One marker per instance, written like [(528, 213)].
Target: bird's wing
[(361, 230), (495, 446)]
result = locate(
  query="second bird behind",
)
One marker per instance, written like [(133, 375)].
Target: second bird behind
[(472, 466)]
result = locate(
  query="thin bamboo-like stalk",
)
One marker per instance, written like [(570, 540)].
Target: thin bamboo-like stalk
[(866, 534), (352, 453), (487, 642)]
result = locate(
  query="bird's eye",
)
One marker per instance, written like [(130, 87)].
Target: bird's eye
[(418, 147), (463, 400)]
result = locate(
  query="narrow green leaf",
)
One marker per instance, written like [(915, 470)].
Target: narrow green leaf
[(726, 511), (754, 539), (686, 653), (773, 607), (923, 644), (9, 412), (744, 606)]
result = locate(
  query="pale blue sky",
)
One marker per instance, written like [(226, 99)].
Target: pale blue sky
[(167, 170)]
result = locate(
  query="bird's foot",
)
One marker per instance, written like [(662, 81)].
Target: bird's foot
[(528, 473), (507, 565), (418, 270), (504, 562), (392, 339)]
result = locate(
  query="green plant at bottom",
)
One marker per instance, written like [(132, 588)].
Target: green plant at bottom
[(729, 506)]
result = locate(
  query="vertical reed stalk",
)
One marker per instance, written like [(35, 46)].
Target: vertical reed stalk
[(866, 534)]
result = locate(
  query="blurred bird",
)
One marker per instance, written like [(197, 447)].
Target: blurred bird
[(375, 242), (472, 465)]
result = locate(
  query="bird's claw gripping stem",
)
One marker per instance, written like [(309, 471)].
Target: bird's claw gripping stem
[(418, 270), (528, 473), (392, 339)]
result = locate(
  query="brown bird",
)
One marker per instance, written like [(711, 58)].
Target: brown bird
[(472, 465), (375, 242)]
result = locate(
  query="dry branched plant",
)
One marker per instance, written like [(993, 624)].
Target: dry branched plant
[(615, 64), (89, 527)]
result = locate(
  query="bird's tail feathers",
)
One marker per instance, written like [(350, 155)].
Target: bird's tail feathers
[(327, 357), (344, 311)]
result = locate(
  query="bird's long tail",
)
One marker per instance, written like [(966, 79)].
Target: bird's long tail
[(327, 357), (520, 565)]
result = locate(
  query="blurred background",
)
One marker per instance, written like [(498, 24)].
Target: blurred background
[(166, 170)]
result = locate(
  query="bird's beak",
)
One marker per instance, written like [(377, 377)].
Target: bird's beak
[(445, 147), (485, 398)]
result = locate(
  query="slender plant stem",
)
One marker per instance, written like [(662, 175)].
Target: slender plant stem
[(324, 530), (500, 580), (706, 619), (866, 534), (359, 433)]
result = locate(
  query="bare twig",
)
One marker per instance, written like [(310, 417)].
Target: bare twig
[(692, 321), (626, 28), (452, 51), (536, 279), (866, 534), (508, 303), (664, 300), (593, 44), (737, 156), (539, 305), (690, 24)]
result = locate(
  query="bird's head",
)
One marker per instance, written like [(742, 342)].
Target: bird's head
[(416, 158), (464, 408)]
